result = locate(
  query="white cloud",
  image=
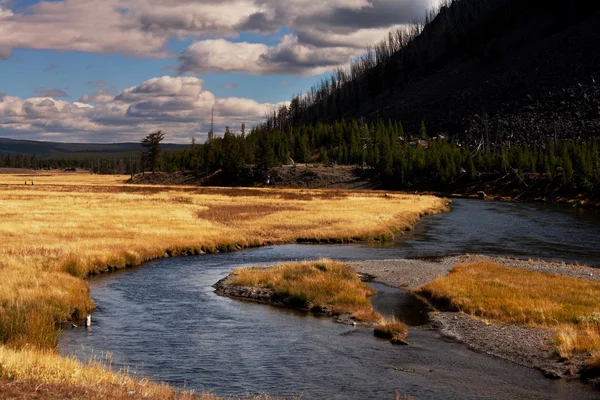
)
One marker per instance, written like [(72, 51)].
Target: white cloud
[(289, 57), (81, 25), (180, 106)]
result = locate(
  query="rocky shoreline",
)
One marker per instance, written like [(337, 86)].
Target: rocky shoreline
[(529, 347)]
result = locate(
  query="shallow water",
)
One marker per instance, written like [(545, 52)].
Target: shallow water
[(164, 320)]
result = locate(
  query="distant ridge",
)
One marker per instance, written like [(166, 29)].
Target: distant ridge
[(73, 150)]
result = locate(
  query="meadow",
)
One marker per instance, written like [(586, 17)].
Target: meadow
[(57, 232), (569, 306)]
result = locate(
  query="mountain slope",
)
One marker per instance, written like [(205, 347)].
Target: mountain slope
[(501, 70)]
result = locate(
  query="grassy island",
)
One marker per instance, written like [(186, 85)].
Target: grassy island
[(322, 285)]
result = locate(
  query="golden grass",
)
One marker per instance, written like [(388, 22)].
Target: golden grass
[(323, 283), (391, 329), (46, 367), (67, 226), (569, 306)]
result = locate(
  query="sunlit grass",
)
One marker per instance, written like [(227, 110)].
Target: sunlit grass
[(46, 367), (570, 306), (322, 283), (67, 226)]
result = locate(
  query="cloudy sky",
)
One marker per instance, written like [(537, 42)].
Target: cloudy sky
[(114, 70)]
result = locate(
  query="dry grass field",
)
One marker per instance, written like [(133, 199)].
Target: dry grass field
[(68, 226), (322, 283), (569, 306)]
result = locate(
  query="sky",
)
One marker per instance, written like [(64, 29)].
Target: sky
[(115, 70)]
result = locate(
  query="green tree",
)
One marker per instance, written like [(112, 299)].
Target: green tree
[(151, 155)]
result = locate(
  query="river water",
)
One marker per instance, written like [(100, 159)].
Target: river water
[(165, 322)]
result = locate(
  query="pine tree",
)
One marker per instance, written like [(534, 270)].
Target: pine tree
[(151, 155)]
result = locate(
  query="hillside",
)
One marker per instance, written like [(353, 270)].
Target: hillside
[(499, 70)]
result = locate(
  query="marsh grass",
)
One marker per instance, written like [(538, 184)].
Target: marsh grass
[(569, 306), (323, 283)]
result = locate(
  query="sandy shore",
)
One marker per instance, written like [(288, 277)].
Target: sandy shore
[(530, 347)]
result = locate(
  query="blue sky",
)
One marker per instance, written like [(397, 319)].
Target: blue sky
[(112, 70)]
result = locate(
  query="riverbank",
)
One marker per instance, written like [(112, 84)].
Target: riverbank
[(532, 347)]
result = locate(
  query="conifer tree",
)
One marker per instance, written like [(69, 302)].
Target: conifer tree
[(150, 156)]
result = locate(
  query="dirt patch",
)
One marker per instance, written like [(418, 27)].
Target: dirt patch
[(319, 176), (530, 347), (306, 176), (18, 171), (407, 274)]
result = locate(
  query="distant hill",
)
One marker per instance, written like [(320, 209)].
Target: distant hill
[(75, 150)]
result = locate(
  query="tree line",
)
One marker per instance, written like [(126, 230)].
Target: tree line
[(403, 160)]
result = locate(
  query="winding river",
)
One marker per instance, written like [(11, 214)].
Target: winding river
[(165, 322)]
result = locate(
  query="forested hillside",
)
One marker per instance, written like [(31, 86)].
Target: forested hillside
[(493, 70)]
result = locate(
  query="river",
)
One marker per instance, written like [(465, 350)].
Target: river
[(165, 322)]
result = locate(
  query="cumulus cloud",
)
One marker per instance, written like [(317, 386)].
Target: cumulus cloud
[(79, 25), (289, 57), (51, 92), (180, 106)]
